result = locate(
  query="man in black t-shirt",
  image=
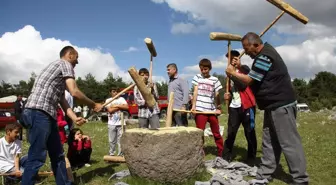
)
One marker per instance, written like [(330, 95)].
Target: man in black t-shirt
[(274, 93)]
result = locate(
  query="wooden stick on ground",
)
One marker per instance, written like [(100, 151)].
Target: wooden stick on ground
[(39, 174), (118, 159), (194, 112), (69, 170)]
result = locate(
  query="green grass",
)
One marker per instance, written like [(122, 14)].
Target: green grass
[(317, 133)]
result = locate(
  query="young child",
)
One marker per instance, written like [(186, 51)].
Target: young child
[(114, 120), (62, 124), (241, 111), (79, 151), (10, 151), (206, 91), (147, 116)]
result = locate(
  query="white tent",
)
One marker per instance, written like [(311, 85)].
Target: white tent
[(9, 99)]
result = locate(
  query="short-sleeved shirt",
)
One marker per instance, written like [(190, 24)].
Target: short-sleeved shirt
[(49, 86), (207, 89), (272, 84), (114, 118), (8, 151), (69, 98)]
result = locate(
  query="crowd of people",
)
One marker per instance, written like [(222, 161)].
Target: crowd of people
[(50, 118)]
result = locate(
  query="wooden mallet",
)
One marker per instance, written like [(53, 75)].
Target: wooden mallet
[(140, 83), (286, 8), (112, 99), (152, 51), (219, 36)]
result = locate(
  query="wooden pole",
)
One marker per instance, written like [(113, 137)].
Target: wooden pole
[(112, 99), (118, 159), (69, 170), (169, 119), (267, 28), (227, 86), (194, 112), (151, 69), (38, 174)]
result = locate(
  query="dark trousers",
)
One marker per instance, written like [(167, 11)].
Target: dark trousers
[(80, 158), (179, 119), (43, 137), (239, 116)]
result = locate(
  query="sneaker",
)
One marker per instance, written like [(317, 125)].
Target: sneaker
[(228, 157)]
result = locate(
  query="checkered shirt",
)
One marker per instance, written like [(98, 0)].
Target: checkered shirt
[(144, 111), (49, 86)]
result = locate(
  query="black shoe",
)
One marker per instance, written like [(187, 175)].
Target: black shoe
[(228, 157), (251, 161)]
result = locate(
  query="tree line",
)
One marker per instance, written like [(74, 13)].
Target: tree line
[(318, 93)]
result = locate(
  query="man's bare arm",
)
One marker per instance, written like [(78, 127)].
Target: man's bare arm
[(245, 79), (77, 93), (67, 109)]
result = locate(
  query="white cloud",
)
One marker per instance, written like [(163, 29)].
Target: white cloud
[(130, 49), (237, 16), (303, 60), (24, 51)]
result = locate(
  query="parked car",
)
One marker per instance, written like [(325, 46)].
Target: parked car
[(302, 107), (6, 114)]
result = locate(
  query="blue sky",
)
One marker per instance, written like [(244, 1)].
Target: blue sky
[(115, 26)]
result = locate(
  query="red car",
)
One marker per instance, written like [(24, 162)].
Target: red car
[(133, 107), (6, 114), (132, 111)]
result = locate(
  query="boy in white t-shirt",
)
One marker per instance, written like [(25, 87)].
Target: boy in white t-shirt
[(114, 109), (206, 99), (10, 151)]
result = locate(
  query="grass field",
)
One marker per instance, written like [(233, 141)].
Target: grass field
[(317, 132)]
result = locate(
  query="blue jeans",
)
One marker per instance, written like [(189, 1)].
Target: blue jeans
[(43, 136)]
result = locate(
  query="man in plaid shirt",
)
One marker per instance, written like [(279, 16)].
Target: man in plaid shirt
[(39, 116), (147, 116)]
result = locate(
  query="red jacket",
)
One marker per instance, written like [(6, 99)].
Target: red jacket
[(61, 124), (78, 146), (247, 97)]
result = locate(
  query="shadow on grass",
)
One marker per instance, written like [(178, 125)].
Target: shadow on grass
[(88, 176), (281, 175), (208, 149)]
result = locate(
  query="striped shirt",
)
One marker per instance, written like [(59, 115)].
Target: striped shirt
[(207, 89), (144, 111), (49, 86), (260, 67)]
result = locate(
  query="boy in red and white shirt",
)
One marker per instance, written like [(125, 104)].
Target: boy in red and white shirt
[(206, 99)]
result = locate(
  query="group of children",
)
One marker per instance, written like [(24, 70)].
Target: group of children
[(12, 163), (205, 99)]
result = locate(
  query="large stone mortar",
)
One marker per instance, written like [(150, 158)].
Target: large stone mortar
[(167, 155)]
